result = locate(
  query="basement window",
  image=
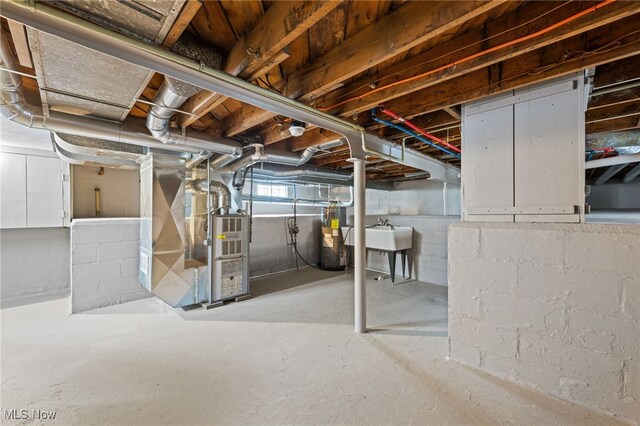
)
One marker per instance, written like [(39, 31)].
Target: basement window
[(276, 191)]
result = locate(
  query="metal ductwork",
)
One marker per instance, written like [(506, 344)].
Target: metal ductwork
[(81, 150), (219, 189), (170, 96), (314, 175), (51, 20), (173, 93), (14, 107), (262, 155)]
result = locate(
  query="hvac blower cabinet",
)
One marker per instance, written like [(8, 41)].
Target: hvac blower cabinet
[(202, 260)]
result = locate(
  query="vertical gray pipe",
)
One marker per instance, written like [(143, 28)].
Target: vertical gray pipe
[(359, 248)]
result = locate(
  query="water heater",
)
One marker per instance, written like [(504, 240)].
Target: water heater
[(332, 255)]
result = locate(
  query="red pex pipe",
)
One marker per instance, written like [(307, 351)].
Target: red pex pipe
[(419, 130)]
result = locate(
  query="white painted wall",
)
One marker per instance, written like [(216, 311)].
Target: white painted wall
[(34, 265), (615, 196), (119, 192), (554, 307), (419, 197), (269, 252), (104, 263)]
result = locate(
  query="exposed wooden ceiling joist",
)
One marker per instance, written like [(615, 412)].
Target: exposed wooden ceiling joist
[(613, 112), (615, 98), (20, 42), (418, 72), (614, 125), (494, 33), (411, 24), (278, 27), (593, 48), (616, 72), (183, 20)]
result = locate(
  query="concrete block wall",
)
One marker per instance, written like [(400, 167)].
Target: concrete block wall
[(428, 258), (34, 265), (269, 252), (104, 263), (420, 197), (551, 306)]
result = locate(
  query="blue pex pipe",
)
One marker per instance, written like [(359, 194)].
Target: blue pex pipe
[(412, 134)]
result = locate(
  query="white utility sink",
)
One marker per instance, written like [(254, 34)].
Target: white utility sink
[(383, 237)]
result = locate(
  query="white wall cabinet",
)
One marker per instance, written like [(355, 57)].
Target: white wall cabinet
[(523, 154), (13, 190), (34, 191)]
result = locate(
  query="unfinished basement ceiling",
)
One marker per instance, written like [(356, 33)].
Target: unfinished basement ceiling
[(421, 60), (78, 80)]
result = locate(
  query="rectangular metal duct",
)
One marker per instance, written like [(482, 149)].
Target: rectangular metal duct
[(82, 81), (162, 230)]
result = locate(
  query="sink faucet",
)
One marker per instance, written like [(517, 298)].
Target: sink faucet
[(383, 222)]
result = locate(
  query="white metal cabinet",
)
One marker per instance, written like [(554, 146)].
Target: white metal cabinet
[(534, 174), (34, 190), (13, 190), (44, 192), (488, 180), (549, 154)]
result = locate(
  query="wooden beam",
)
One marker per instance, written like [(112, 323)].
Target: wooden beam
[(614, 98), (612, 112), (315, 137), (495, 33), (279, 26), (333, 158), (454, 112), (552, 61), (245, 118), (616, 72), (614, 125), (20, 42), (423, 71), (411, 24), (274, 62), (187, 13)]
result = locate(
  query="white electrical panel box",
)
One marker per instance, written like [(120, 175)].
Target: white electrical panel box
[(523, 154)]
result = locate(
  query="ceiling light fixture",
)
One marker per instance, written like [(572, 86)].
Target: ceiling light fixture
[(297, 128)]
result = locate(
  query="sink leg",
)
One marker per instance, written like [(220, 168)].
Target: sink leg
[(392, 265), (403, 255)]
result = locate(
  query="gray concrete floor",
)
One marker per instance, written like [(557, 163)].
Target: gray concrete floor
[(287, 356)]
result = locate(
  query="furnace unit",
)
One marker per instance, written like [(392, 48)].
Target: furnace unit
[(193, 252)]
